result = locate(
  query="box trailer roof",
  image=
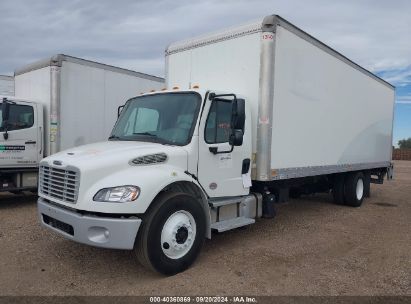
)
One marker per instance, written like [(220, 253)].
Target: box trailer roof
[(57, 60), (7, 85), (5, 77), (267, 24)]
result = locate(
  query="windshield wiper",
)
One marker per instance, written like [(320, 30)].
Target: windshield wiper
[(145, 133), (114, 137)]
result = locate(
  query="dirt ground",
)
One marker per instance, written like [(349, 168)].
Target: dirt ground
[(312, 247)]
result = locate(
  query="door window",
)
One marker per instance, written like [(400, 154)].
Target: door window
[(20, 117), (218, 125)]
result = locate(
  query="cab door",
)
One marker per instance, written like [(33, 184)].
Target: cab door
[(220, 173), (20, 135)]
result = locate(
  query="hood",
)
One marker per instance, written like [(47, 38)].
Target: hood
[(111, 153)]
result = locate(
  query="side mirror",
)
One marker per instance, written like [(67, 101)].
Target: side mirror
[(238, 115), (5, 115), (236, 138), (5, 110), (119, 109), (237, 122)]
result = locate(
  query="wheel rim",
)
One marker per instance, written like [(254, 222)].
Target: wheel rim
[(178, 234), (359, 189)]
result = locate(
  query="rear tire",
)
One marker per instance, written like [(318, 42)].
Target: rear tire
[(367, 184), (338, 189), (354, 189), (172, 234)]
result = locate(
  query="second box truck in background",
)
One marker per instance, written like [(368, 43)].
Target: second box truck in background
[(6, 85), (60, 102)]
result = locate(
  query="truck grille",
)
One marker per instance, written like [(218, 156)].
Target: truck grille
[(61, 184)]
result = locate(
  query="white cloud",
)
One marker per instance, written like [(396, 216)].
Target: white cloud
[(398, 77), (133, 34), (404, 99)]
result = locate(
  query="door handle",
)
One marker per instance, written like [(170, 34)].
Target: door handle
[(30, 142)]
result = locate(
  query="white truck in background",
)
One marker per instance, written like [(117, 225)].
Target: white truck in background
[(59, 103), (6, 85), (252, 115)]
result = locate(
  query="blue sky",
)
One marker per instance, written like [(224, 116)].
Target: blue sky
[(402, 114), (401, 78), (402, 122), (134, 33)]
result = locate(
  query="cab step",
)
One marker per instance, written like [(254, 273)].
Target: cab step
[(219, 202), (232, 223)]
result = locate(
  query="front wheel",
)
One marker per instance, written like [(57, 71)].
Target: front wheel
[(172, 233)]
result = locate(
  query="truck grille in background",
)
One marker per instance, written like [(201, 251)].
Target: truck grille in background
[(61, 184)]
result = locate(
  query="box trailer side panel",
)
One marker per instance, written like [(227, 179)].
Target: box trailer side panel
[(231, 65), (326, 112), (35, 85), (6, 85), (89, 100)]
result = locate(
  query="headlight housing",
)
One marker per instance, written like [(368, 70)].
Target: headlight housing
[(119, 194)]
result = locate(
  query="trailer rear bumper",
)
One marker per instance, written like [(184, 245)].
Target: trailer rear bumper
[(106, 232)]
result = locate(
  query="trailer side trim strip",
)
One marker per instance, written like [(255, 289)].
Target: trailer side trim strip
[(6, 77), (58, 59), (287, 173), (227, 34)]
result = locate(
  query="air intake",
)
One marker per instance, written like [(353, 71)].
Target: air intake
[(150, 159)]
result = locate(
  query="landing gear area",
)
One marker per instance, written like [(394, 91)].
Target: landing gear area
[(348, 188)]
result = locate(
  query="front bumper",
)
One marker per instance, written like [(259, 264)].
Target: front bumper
[(107, 232)]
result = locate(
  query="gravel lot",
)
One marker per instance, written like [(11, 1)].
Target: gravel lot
[(312, 247)]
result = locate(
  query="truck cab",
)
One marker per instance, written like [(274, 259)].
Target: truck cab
[(170, 155), (21, 143)]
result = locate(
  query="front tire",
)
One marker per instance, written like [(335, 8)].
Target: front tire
[(172, 233)]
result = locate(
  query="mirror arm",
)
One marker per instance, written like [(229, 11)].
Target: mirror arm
[(5, 134)]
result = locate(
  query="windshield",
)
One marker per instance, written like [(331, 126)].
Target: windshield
[(166, 118)]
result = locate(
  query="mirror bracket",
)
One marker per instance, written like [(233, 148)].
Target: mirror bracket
[(215, 151)]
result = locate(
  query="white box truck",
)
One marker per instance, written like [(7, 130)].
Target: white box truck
[(60, 103), (6, 85), (251, 115)]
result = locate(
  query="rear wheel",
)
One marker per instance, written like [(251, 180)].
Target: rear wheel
[(338, 189), (354, 189), (367, 184), (172, 234)]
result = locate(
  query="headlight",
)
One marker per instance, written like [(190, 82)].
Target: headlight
[(120, 194)]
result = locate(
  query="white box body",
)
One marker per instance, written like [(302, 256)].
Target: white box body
[(327, 113)]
